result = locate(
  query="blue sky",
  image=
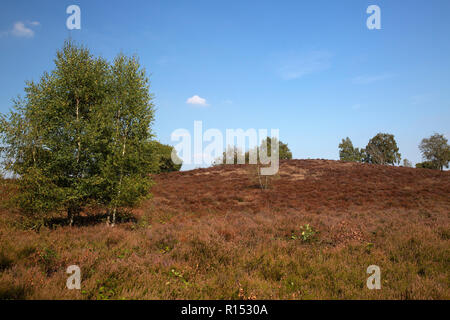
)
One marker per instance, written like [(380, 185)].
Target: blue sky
[(309, 68)]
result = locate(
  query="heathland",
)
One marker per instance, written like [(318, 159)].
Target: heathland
[(309, 232)]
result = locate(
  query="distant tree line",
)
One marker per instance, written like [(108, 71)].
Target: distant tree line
[(383, 149), (232, 154)]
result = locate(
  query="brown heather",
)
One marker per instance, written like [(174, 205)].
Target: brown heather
[(214, 234)]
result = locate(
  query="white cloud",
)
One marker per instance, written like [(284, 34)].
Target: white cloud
[(196, 100), (370, 79), (294, 66), (21, 29)]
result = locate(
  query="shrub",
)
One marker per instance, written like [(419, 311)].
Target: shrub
[(308, 233), (426, 165)]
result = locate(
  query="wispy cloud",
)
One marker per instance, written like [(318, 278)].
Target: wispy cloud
[(196, 100), (367, 79), (22, 29), (294, 66)]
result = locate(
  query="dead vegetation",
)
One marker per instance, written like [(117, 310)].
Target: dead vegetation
[(216, 234)]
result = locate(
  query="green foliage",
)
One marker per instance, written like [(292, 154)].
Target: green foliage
[(426, 165), (163, 155), (283, 149), (436, 150), (47, 258), (178, 275), (308, 233), (382, 149), (38, 194), (80, 135), (107, 289), (348, 153), (233, 153)]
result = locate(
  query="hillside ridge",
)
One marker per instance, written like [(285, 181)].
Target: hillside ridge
[(303, 185)]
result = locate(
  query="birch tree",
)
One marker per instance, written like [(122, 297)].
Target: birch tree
[(127, 167), (80, 135), (436, 150), (382, 149)]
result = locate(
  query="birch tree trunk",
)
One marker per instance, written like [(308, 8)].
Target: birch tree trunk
[(121, 175), (78, 130)]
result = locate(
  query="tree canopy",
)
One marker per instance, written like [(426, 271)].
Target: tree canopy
[(349, 153), (81, 135), (233, 153), (436, 150), (163, 157), (382, 149), (283, 149)]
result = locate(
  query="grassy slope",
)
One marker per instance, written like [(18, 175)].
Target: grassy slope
[(213, 234)]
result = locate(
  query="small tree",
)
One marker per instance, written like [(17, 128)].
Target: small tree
[(80, 135), (126, 126), (382, 149), (283, 149), (407, 163), (47, 138), (436, 150), (263, 154), (348, 153), (163, 155), (231, 155)]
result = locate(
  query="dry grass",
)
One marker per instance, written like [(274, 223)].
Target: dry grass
[(214, 234)]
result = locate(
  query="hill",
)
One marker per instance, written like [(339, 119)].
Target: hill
[(310, 185), (214, 233)]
